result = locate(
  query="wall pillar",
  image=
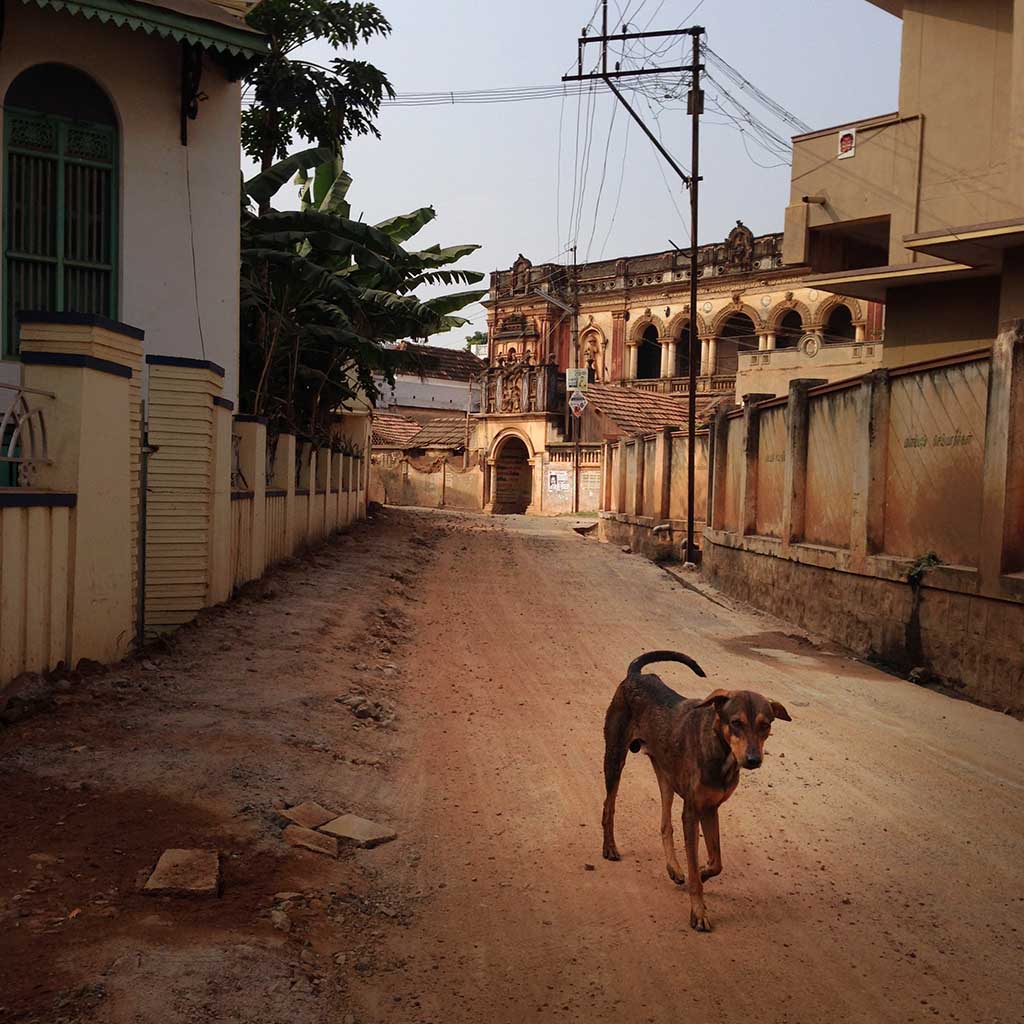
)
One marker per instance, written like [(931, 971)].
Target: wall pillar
[(665, 371), (631, 357), (859, 332), (662, 470), (762, 342), (89, 364), (492, 485), (638, 489), (336, 495), (221, 572), (748, 474), (284, 480), (795, 486), (717, 463), (323, 490), (606, 477), (618, 353), (867, 524), (252, 460), (705, 357), (712, 356), (770, 339), (1002, 501), (182, 517), (620, 491)]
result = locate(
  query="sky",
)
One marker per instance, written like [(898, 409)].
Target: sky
[(502, 174)]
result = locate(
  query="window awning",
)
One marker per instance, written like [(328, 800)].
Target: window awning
[(192, 21)]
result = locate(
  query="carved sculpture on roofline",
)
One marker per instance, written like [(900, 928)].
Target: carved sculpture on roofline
[(739, 247)]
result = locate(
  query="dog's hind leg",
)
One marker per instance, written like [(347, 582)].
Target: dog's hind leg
[(616, 738), (709, 826), (675, 872)]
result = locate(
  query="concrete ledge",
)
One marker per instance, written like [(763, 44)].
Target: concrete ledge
[(639, 533), (969, 640)]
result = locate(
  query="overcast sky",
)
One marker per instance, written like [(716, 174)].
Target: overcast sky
[(492, 170)]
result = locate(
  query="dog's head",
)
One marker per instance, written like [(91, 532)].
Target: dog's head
[(744, 721)]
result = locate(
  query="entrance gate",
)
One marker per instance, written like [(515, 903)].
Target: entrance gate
[(513, 478)]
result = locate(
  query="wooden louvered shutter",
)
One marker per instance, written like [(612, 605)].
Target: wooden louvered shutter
[(60, 217)]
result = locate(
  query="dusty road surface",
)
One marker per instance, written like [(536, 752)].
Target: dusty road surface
[(873, 866)]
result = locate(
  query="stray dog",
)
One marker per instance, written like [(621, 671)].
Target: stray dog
[(697, 748)]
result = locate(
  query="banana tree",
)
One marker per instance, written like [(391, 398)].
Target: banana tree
[(324, 296)]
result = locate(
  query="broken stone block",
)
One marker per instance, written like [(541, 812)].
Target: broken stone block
[(308, 814), (296, 835), (352, 829), (185, 873)]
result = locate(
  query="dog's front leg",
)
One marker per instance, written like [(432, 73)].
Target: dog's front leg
[(691, 833), (712, 840), (675, 872)]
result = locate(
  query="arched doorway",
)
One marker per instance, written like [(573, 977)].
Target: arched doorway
[(840, 325), (648, 356), (513, 478), (60, 201), (738, 334), (790, 330)]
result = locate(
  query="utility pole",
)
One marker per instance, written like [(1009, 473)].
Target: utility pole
[(691, 181)]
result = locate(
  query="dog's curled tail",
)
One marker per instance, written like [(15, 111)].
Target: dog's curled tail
[(637, 665)]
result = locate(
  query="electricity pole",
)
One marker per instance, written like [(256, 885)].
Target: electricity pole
[(695, 105)]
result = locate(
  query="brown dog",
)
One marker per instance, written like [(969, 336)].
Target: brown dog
[(696, 747)]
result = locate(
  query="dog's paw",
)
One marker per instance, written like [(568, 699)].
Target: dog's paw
[(677, 876), (706, 873), (699, 920), (611, 853)]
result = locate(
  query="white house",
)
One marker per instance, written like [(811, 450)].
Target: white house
[(120, 169)]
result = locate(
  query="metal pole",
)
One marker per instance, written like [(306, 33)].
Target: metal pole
[(696, 108), (140, 558)]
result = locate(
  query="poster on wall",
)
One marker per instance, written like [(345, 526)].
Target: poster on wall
[(847, 143), (558, 481)]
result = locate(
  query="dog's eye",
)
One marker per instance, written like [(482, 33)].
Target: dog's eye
[(736, 723)]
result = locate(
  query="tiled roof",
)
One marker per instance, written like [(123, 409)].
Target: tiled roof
[(644, 412), (443, 363), (444, 432), (391, 431)]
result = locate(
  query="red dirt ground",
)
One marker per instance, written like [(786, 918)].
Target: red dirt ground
[(872, 867)]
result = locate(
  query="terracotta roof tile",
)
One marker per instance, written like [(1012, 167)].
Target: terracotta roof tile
[(444, 432), (392, 431), (645, 412)]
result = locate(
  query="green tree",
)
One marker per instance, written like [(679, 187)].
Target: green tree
[(326, 105), (323, 295), (476, 338)]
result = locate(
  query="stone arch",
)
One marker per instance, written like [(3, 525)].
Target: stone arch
[(636, 332), (828, 306), (779, 311), (681, 320), (723, 316), (504, 435)]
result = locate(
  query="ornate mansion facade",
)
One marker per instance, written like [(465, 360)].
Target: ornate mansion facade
[(758, 322)]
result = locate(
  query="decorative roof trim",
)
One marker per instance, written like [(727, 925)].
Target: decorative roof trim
[(162, 22)]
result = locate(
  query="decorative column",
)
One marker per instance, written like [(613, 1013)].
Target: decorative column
[(664, 371), (631, 356), (859, 333), (705, 356), (673, 361), (712, 356), (770, 341), (762, 342), (87, 363)]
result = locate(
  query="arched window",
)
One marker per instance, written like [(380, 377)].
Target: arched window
[(790, 330), (682, 367), (648, 357), (60, 202), (737, 335), (840, 325)]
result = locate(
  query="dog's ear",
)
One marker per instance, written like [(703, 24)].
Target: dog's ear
[(718, 698), (779, 711)]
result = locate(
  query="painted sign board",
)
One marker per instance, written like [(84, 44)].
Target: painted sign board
[(576, 378), (577, 403)]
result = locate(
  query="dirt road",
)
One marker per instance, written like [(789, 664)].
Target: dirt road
[(873, 867)]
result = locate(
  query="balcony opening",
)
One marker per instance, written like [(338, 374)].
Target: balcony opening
[(790, 330), (648, 356), (682, 367), (738, 335), (850, 245), (840, 325)]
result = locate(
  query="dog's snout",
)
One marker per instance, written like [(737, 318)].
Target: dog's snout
[(753, 761)]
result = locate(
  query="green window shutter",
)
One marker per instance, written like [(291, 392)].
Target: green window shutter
[(60, 218)]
